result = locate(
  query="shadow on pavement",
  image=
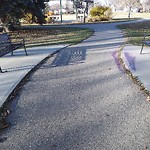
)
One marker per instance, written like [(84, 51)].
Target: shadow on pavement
[(69, 57), (18, 68)]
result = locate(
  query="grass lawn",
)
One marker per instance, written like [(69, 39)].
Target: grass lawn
[(134, 31), (54, 35), (133, 15)]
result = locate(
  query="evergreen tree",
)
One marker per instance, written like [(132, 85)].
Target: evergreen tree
[(13, 10)]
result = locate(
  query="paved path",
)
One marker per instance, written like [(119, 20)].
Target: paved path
[(80, 99), (18, 65)]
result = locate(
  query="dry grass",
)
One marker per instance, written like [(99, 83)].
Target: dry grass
[(135, 31), (62, 35), (133, 15)]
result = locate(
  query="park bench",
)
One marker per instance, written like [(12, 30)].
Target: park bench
[(7, 46), (145, 42), (80, 18), (54, 18)]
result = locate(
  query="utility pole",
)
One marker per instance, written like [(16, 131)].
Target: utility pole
[(76, 13), (61, 11)]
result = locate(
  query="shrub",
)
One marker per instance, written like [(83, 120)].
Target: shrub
[(50, 13), (48, 19), (100, 13), (28, 18)]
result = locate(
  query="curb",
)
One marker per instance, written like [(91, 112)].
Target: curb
[(17, 86), (129, 73)]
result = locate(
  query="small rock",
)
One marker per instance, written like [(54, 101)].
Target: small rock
[(147, 147), (148, 98), (5, 113), (141, 88)]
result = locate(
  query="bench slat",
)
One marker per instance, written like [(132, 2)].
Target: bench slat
[(6, 46)]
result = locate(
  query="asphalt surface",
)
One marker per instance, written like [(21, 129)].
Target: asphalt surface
[(80, 99), (17, 66)]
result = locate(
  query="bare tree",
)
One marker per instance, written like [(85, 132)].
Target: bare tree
[(128, 4), (146, 5), (47, 8), (68, 6), (55, 6)]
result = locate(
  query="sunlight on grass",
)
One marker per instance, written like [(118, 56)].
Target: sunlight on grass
[(61, 35), (135, 31)]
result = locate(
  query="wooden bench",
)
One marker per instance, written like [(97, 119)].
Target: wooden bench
[(145, 42), (7, 46)]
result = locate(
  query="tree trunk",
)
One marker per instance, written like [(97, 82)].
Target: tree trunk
[(5, 23), (84, 15), (76, 14), (4, 26), (129, 14)]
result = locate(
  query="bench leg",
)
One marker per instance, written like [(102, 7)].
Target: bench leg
[(25, 50), (142, 48), (1, 70), (12, 53)]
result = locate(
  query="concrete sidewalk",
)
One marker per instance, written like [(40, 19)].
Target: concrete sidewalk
[(19, 65), (138, 64)]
